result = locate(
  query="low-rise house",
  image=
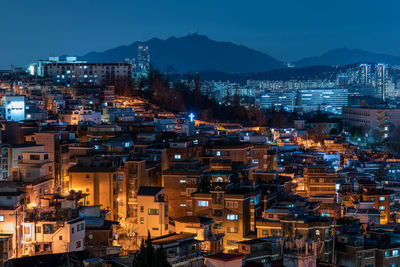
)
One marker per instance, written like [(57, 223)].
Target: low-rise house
[(182, 249)]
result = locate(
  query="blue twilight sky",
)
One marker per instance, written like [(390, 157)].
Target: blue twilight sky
[(285, 29)]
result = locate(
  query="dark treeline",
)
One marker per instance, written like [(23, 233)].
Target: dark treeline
[(182, 98)]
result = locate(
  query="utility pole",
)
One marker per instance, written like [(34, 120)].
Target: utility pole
[(333, 244), (16, 232)]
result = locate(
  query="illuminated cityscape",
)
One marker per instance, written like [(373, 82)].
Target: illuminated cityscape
[(251, 143)]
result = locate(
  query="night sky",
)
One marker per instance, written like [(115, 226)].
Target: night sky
[(285, 29)]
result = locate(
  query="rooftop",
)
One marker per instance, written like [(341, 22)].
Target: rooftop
[(149, 190)]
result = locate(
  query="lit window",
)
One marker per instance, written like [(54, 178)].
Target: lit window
[(183, 205), (177, 156), (1, 218), (153, 211), (395, 252), (232, 217), (382, 207), (202, 203), (317, 232), (141, 220), (381, 198), (218, 153), (80, 227), (182, 181), (387, 253)]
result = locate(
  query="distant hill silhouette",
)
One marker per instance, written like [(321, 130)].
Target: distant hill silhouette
[(193, 52), (345, 56)]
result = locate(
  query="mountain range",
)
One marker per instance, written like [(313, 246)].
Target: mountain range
[(345, 56), (195, 53)]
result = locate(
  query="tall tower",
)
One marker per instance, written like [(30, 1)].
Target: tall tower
[(143, 66), (364, 74), (382, 85)]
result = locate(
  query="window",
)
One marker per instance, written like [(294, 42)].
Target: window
[(381, 207), (217, 213), (232, 229), (1, 218), (141, 220), (182, 181), (218, 153), (80, 227), (60, 237), (34, 157), (371, 199), (38, 229), (155, 229), (141, 209), (395, 253), (217, 226), (264, 232), (153, 211), (232, 217), (369, 254), (177, 156), (232, 204), (387, 253), (271, 215), (202, 203), (317, 232), (78, 244), (72, 230), (382, 198), (46, 156), (48, 229), (182, 205)]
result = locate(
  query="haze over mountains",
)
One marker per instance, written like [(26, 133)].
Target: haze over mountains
[(196, 52)]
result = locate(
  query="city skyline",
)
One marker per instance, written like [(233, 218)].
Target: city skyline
[(288, 30)]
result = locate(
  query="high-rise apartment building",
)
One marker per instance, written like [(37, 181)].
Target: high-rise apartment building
[(382, 85), (364, 74), (143, 66)]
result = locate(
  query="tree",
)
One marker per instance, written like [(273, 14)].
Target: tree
[(150, 257)]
